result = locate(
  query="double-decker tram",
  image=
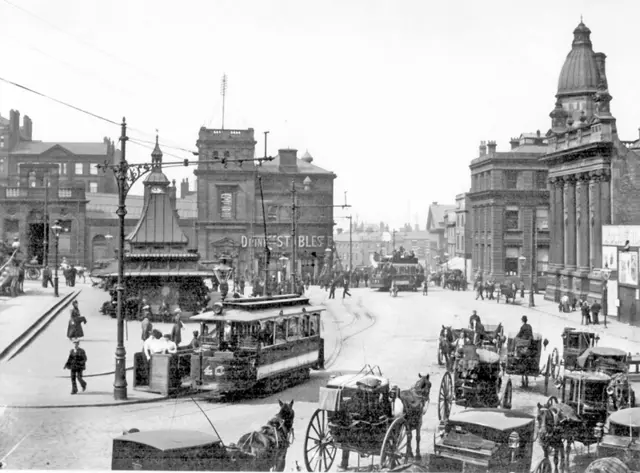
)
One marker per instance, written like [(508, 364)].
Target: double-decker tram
[(258, 345), (401, 268)]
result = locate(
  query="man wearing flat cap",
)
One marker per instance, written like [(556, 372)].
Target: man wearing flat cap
[(176, 331)]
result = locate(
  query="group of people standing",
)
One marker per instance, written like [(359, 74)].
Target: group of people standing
[(590, 311)]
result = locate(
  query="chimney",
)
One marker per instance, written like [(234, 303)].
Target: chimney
[(600, 64), (483, 148), (491, 145), (184, 188), (288, 158), (27, 128), (14, 128), (515, 142), (172, 193)]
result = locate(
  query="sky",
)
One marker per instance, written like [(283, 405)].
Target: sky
[(393, 96)]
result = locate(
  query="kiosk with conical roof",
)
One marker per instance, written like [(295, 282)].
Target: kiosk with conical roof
[(158, 265)]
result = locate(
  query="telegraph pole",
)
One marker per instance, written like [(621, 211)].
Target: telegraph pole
[(45, 257), (350, 246), (294, 244)]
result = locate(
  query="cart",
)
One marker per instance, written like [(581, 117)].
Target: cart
[(475, 381), (491, 339), (620, 437), (491, 440), (523, 359), (357, 413), (574, 344)]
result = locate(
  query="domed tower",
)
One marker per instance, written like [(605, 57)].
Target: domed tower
[(582, 86)]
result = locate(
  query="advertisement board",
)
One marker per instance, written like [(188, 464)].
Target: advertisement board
[(628, 268)]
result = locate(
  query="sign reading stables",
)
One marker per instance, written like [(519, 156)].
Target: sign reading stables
[(284, 241)]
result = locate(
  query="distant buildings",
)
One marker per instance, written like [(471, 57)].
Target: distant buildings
[(463, 245)]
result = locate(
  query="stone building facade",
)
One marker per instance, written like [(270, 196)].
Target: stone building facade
[(508, 200), (230, 209), (594, 179), (463, 245)]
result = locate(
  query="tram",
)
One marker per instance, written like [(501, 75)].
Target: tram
[(402, 268), (258, 344)]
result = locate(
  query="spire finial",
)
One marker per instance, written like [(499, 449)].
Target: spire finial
[(156, 155), (580, 17)]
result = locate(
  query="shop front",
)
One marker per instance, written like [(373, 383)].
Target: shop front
[(621, 290)]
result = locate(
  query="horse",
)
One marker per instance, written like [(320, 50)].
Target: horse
[(415, 401), (268, 446), (558, 426), (620, 395), (446, 345)]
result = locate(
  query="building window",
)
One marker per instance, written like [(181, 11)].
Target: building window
[(2, 141), (541, 179), (93, 187), (63, 168), (511, 179), (93, 169), (511, 261), (542, 219), (215, 155), (512, 218), (79, 168), (226, 205), (542, 258)]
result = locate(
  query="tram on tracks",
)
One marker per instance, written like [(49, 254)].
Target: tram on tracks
[(257, 345), (401, 268)]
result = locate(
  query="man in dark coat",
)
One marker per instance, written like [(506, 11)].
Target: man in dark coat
[(176, 331), (595, 311), (526, 332), (332, 289), (46, 277), (77, 363), (345, 288)]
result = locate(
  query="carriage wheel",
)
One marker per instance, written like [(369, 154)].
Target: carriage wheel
[(33, 273), (394, 446), (547, 374), (544, 466), (507, 399), (445, 397), (319, 447), (440, 355)]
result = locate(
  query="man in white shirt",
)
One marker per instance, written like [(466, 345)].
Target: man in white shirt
[(154, 344)]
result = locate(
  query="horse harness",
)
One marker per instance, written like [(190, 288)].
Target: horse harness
[(289, 436)]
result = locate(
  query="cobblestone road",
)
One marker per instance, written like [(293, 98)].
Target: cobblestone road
[(399, 334)]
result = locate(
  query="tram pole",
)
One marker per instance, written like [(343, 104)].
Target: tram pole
[(534, 258)]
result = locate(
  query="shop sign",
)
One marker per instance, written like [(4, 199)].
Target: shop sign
[(285, 241), (617, 235), (226, 211)]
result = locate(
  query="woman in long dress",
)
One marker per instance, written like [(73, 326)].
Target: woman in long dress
[(74, 330)]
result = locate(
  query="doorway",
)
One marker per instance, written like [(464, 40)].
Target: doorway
[(35, 242)]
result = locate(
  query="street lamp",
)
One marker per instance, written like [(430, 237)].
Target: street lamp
[(56, 228)]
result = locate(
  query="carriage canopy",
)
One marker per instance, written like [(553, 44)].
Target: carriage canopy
[(614, 354)]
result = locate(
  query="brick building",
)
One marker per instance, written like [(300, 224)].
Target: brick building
[(363, 245), (450, 219), (230, 215), (436, 229), (595, 181), (508, 194)]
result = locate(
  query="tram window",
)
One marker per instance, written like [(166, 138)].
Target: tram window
[(305, 325), (313, 326), (248, 335), (281, 331), (293, 330), (266, 335)]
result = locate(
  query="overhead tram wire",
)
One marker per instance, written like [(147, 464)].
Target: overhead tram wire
[(99, 117), (82, 41)]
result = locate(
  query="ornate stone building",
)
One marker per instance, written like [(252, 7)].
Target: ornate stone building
[(593, 176), (230, 210)]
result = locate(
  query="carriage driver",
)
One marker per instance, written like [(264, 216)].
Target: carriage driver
[(474, 318), (526, 332)]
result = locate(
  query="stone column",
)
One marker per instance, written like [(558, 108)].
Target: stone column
[(605, 189), (569, 222), (582, 222), (595, 220), (558, 223)]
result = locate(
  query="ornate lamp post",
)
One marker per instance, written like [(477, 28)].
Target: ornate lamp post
[(56, 228)]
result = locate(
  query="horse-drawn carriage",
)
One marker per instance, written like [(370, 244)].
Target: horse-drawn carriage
[(496, 440), (574, 343), (509, 291), (182, 450), (474, 381), (362, 413), (586, 398), (490, 338), (523, 359), (620, 437)]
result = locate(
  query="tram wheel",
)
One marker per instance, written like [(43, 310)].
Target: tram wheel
[(319, 447)]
